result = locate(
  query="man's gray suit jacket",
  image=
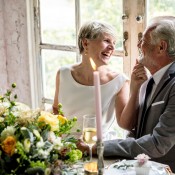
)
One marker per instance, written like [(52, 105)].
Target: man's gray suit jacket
[(158, 138)]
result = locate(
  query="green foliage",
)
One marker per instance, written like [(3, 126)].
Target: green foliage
[(30, 140), (66, 127), (60, 111), (74, 155)]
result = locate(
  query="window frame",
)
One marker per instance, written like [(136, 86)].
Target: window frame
[(131, 8)]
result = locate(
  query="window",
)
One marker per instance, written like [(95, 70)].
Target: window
[(159, 8), (57, 22)]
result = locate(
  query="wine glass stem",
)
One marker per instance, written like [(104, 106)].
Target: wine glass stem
[(90, 152)]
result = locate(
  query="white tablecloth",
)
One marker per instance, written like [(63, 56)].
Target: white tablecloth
[(120, 168)]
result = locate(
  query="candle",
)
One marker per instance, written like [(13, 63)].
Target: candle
[(97, 101), (98, 104)]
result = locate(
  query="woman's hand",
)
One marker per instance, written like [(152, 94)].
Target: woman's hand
[(84, 147)]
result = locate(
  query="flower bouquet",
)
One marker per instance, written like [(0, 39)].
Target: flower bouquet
[(31, 141)]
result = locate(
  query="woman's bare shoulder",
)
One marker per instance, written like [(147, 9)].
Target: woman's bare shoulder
[(112, 74), (108, 76)]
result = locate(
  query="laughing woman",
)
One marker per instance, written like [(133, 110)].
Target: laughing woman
[(74, 83)]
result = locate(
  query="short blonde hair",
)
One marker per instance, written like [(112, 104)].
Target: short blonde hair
[(93, 30)]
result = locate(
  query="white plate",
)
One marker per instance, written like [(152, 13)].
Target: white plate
[(155, 168)]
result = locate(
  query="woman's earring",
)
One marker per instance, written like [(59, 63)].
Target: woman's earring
[(85, 51)]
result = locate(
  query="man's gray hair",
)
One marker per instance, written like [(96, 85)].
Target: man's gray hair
[(93, 30), (164, 30)]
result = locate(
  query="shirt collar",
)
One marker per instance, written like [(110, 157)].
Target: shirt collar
[(159, 74)]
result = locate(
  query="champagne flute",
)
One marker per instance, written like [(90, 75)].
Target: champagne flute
[(89, 131)]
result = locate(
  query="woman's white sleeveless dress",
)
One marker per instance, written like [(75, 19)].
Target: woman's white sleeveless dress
[(79, 100)]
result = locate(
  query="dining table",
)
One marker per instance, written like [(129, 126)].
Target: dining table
[(78, 168), (110, 161)]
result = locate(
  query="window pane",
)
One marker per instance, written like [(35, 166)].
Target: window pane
[(58, 22), (109, 11), (51, 62), (160, 7), (116, 64)]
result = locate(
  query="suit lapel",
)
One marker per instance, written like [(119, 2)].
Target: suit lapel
[(169, 74), (158, 88)]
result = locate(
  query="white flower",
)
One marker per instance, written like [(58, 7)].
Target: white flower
[(21, 107), (142, 158), (51, 136), (2, 109), (47, 171), (5, 104), (43, 153), (9, 131), (27, 145), (57, 143), (40, 144), (37, 134), (1, 119)]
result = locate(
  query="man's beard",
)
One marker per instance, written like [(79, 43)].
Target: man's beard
[(141, 56)]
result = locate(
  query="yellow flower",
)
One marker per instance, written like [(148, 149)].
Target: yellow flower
[(62, 119), (50, 119), (8, 145)]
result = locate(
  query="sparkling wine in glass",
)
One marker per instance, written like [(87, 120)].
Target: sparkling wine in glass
[(89, 132)]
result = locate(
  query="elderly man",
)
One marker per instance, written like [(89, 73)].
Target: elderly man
[(153, 128)]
